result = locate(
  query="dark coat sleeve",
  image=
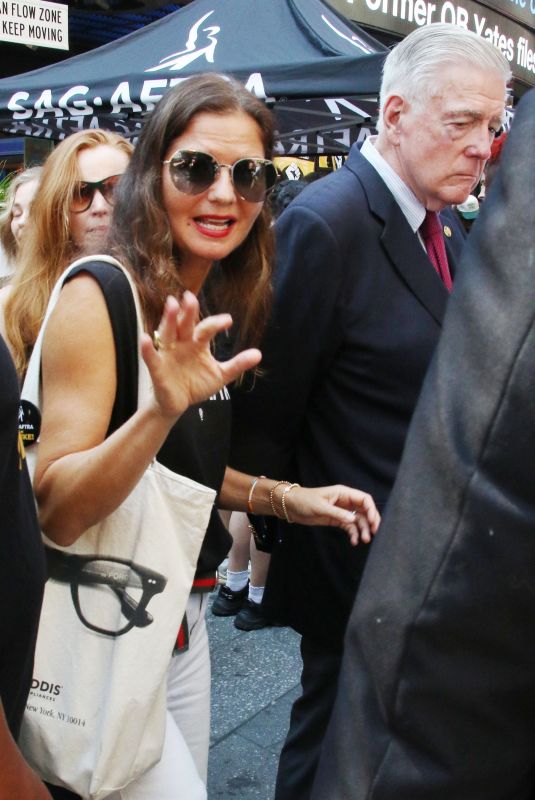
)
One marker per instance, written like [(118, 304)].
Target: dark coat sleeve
[(437, 695), (302, 336)]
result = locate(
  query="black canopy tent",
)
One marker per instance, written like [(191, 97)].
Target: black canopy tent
[(320, 74)]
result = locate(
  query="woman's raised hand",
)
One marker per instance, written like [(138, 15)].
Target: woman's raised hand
[(181, 364), (350, 509)]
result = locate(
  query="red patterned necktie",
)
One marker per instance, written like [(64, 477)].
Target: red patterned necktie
[(431, 233)]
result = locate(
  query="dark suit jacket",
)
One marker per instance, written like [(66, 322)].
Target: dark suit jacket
[(357, 313), (437, 693)]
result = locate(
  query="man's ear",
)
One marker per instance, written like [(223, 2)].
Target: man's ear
[(393, 109)]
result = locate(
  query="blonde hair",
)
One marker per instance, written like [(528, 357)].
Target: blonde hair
[(8, 241), (47, 248)]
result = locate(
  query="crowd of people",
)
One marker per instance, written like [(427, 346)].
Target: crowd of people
[(346, 294), (198, 239)]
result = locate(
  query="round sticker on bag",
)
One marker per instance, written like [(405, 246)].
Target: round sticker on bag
[(29, 422)]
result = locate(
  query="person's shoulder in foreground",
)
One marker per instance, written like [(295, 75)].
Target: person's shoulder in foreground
[(21, 585)]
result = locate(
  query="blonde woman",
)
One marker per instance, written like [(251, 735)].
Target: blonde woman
[(69, 217), (14, 215)]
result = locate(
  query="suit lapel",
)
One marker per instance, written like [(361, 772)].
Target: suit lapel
[(411, 261), (402, 247)]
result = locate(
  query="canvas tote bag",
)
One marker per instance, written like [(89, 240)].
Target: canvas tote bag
[(113, 604)]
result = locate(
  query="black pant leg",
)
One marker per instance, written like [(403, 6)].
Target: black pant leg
[(308, 721)]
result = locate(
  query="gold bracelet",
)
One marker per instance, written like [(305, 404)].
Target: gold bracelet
[(272, 499), (251, 490), (283, 500)]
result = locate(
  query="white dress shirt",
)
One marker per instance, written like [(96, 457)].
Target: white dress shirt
[(412, 209)]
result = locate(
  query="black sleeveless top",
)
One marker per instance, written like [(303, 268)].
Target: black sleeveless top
[(198, 444)]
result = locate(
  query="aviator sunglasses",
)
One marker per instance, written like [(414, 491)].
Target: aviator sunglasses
[(193, 172), (85, 192)]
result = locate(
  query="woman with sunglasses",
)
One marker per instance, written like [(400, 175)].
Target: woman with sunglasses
[(69, 217), (191, 226)]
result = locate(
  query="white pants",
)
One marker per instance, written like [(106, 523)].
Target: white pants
[(174, 777), (188, 685), (182, 770)]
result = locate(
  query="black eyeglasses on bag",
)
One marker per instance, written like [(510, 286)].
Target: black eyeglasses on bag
[(194, 172), (85, 192), (110, 595)]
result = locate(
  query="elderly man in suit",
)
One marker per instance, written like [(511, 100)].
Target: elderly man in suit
[(437, 691), (364, 269)]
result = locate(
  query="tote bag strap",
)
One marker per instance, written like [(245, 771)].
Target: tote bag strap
[(31, 390)]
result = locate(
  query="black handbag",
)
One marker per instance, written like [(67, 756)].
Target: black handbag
[(265, 531)]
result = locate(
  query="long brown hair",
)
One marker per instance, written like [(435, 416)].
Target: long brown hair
[(140, 235), (46, 247)]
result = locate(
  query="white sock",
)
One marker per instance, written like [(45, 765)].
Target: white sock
[(256, 593), (237, 580)]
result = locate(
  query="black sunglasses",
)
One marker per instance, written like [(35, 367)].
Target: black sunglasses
[(194, 172), (85, 192)]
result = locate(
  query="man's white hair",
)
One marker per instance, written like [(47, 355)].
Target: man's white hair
[(413, 67)]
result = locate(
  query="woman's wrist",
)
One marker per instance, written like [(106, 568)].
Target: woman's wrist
[(284, 494), (155, 423), (268, 497)]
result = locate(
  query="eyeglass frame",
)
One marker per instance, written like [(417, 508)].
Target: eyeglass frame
[(65, 567), (94, 186), (264, 162)]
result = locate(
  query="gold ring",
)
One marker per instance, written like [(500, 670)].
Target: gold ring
[(159, 345), (156, 341)]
